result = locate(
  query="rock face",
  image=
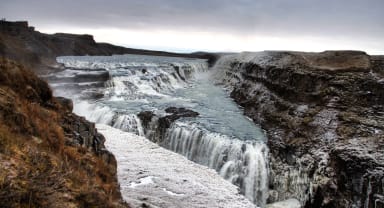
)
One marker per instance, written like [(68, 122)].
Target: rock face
[(324, 118), (49, 157)]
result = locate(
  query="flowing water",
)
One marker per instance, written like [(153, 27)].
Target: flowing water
[(112, 90)]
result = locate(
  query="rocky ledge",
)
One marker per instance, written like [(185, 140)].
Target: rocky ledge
[(49, 157), (324, 117)]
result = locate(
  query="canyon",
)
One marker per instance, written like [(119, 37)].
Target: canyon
[(321, 113)]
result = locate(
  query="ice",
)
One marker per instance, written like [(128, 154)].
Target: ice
[(166, 179)]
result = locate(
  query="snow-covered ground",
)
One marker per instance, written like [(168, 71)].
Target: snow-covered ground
[(150, 174)]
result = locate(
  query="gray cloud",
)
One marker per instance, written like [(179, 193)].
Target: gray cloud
[(343, 18)]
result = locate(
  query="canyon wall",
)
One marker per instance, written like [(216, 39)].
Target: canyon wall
[(324, 117)]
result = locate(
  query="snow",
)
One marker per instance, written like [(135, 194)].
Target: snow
[(289, 203), (143, 181), (150, 174)]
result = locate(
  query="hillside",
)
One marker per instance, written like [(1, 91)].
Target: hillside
[(49, 157)]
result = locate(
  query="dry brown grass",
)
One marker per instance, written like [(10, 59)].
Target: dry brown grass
[(45, 125), (38, 169)]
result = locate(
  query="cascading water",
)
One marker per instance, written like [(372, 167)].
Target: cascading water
[(106, 115), (220, 137), (241, 162)]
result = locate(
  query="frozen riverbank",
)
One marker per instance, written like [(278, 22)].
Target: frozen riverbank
[(151, 175)]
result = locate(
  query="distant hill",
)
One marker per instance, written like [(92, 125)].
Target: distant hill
[(20, 42)]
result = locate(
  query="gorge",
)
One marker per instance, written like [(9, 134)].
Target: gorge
[(308, 104), (312, 131), (158, 90)]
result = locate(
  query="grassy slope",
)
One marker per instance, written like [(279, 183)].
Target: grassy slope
[(38, 166)]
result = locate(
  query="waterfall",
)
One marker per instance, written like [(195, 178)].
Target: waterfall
[(105, 115), (244, 163), (222, 139), (129, 123), (129, 80), (156, 81)]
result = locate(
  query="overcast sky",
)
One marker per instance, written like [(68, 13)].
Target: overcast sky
[(213, 25)]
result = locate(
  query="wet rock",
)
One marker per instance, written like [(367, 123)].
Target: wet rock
[(146, 118), (175, 113), (93, 95), (181, 112), (155, 126), (100, 76), (177, 69)]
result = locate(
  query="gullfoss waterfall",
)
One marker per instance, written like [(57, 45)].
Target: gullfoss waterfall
[(114, 90)]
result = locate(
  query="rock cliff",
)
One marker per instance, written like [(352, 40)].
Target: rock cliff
[(49, 157), (324, 117)]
